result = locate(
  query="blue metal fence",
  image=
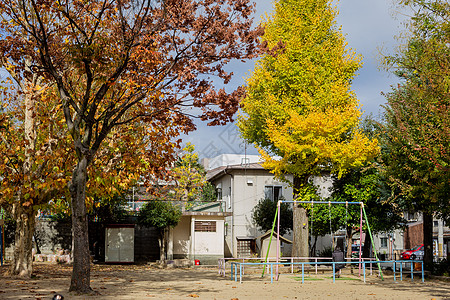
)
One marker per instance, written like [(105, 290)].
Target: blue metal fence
[(239, 265)]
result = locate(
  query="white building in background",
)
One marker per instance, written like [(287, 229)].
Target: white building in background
[(241, 182)]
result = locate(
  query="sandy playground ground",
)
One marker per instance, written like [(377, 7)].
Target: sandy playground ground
[(146, 282)]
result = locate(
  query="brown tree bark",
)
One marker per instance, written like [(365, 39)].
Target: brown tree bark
[(23, 212), (300, 220), (349, 236), (428, 239), (81, 273), (22, 264)]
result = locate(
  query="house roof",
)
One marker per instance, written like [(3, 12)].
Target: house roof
[(207, 213), (223, 170), (267, 234)]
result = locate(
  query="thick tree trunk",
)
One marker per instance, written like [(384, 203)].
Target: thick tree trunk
[(300, 228), (25, 215), (162, 246), (428, 239), (81, 272), (22, 264)]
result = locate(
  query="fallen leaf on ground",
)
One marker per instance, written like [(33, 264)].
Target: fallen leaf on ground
[(193, 295), (371, 294), (168, 289)]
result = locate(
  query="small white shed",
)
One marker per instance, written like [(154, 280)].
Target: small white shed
[(265, 238)]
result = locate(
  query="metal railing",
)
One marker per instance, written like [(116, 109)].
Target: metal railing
[(288, 260), (239, 265)]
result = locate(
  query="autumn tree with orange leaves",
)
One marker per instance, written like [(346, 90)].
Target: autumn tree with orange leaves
[(118, 62), (35, 171)]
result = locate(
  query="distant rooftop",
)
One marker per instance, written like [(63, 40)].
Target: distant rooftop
[(224, 160)]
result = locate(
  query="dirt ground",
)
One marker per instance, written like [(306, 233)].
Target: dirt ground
[(146, 282)]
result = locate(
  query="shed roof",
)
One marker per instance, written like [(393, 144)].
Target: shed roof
[(267, 234), (223, 170)]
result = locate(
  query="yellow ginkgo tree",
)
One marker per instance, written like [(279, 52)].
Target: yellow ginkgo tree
[(299, 109)]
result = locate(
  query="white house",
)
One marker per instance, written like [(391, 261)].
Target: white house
[(241, 182)]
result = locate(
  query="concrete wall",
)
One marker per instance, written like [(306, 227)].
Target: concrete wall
[(413, 236), (247, 188), (181, 237), (209, 243), (204, 246)]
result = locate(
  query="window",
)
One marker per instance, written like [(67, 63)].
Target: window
[(205, 226), (411, 216), (219, 193), (246, 247), (272, 192), (384, 242)]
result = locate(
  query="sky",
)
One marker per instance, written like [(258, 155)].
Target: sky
[(370, 28)]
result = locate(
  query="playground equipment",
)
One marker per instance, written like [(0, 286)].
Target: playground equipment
[(362, 211), (235, 266)]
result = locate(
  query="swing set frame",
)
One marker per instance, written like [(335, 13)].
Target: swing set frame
[(362, 212)]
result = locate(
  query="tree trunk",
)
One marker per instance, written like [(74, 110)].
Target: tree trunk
[(25, 215), (300, 228), (22, 264), (367, 244), (313, 247), (81, 273), (162, 246), (349, 241), (428, 239)]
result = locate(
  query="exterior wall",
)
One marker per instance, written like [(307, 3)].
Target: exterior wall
[(241, 191), (209, 243), (413, 235), (394, 246), (204, 246), (181, 238)]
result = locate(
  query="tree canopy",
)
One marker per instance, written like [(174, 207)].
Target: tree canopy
[(118, 62), (263, 215), (417, 117), (299, 109)]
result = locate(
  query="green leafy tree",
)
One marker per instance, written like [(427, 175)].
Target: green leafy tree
[(368, 185), (417, 117), (163, 215), (299, 105), (188, 176), (208, 193), (264, 213)]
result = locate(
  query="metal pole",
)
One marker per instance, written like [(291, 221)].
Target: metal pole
[(423, 278), (303, 272), (401, 271), (371, 238), (360, 240), (334, 271), (278, 235), (270, 240)]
